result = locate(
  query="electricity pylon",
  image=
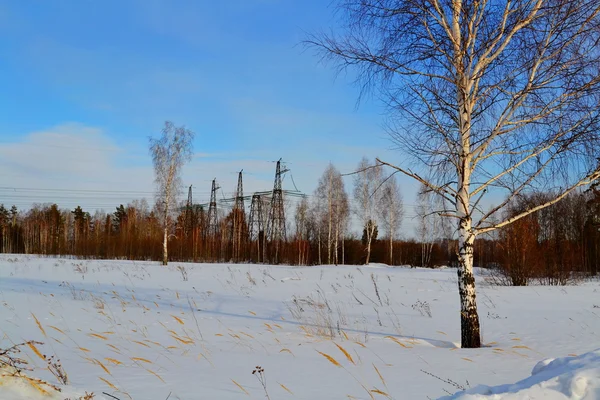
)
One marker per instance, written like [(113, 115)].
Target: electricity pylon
[(256, 225), (276, 225), (239, 220)]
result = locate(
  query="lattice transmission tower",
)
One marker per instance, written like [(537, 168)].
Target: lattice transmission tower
[(256, 226), (240, 234), (189, 214), (213, 226), (276, 225)]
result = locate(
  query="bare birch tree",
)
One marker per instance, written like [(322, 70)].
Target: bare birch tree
[(430, 224), (341, 210), (391, 211), (497, 97), (331, 209), (169, 153), (301, 218), (367, 182)]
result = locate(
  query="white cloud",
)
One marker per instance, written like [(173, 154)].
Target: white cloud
[(71, 165), (75, 164)]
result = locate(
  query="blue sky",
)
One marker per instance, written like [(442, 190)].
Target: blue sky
[(84, 83)]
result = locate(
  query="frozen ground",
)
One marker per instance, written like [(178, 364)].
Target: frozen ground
[(136, 330)]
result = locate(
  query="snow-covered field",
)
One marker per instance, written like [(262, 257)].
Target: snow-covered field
[(137, 330)]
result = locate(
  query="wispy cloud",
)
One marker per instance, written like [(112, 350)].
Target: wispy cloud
[(67, 157)]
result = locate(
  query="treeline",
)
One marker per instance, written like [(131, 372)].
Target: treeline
[(547, 246), (550, 246), (134, 232)]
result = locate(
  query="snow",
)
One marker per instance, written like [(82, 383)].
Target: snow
[(575, 377), (138, 329)]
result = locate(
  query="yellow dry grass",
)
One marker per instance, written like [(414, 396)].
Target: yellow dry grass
[(381, 392), (348, 356), (285, 388), (141, 359), (35, 350), (57, 329), (101, 365), (39, 325), (96, 335), (394, 339), (330, 359), (380, 376), (36, 385), (108, 383), (241, 387), (113, 361), (156, 375)]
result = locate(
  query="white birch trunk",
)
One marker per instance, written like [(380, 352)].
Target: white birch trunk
[(370, 232), (330, 216), (469, 319), (165, 250)]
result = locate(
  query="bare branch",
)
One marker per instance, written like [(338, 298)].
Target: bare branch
[(445, 192), (591, 178)]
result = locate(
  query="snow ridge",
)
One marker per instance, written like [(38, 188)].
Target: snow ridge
[(573, 378)]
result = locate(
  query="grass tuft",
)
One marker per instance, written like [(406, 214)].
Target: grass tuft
[(108, 383), (330, 359), (348, 356), (39, 325), (285, 388), (380, 376)]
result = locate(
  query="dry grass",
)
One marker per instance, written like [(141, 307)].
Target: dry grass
[(12, 366), (320, 318), (348, 356), (241, 387), (335, 362)]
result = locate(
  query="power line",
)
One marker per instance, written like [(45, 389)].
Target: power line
[(74, 190)]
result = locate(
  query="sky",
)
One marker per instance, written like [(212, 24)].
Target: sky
[(86, 83)]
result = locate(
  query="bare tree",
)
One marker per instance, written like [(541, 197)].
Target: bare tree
[(497, 97), (341, 212), (367, 182), (301, 218), (169, 153), (430, 225), (391, 211), (331, 209)]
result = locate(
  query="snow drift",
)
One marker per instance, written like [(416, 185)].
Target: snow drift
[(576, 378)]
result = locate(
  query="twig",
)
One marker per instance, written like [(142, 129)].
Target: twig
[(259, 372), (363, 293), (376, 289), (110, 395), (194, 315), (356, 298), (448, 381)]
